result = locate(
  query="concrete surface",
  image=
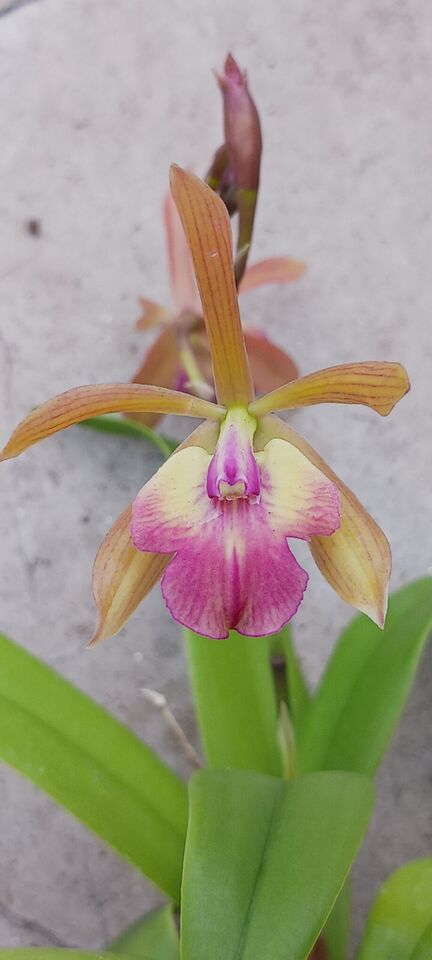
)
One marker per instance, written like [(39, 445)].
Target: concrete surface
[(97, 98)]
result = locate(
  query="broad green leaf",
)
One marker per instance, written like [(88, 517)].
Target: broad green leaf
[(366, 685), (423, 948), (337, 929), (235, 701), (54, 953), (400, 916), (127, 427), (154, 934), (96, 768), (265, 860)]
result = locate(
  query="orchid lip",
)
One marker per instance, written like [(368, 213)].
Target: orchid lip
[(231, 565)]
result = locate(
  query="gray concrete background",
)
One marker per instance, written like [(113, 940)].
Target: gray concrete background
[(97, 98)]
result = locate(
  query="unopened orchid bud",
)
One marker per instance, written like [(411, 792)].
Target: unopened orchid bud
[(242, 126), (243, 144)]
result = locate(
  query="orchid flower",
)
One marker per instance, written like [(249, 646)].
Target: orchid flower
[(180, 357), (215, 519)]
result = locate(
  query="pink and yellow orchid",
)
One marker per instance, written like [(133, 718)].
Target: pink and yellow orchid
[(179, 357), (215, 519)]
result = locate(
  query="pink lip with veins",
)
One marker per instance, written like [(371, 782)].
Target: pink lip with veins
[(227, 517)]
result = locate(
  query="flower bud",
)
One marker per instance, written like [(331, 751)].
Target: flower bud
[(236, 166), (242, 127)]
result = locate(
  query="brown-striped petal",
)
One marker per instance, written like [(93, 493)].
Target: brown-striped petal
[(91, 401), (160, 367), (356, 559), (153, 315), (270, 366), (273, 270), (373, 384), (208, 231), (123, 575)]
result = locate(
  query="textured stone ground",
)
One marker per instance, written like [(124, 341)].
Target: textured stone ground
[(97, 98)]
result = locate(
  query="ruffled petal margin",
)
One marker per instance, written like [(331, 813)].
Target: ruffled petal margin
[(234, 575)]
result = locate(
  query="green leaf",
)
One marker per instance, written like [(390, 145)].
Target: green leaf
[(126, 427), (265, 860), (235, 701), (92, 765), (337, 929), (54, 953), (423, 948), (154, 934), (401, 916), (299, 696), (366, 685)]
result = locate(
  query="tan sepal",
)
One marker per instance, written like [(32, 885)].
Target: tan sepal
[(356, 559), (153, 314), (273, 270), (208, 231), (373, 384), (270, 365), (122, 577), (161, 366), (91, 401)]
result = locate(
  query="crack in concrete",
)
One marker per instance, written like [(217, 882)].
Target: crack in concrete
[(32, 926), (14, 5)]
